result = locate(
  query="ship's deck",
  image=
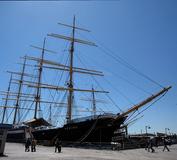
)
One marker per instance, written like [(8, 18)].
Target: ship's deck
[(16, 152)]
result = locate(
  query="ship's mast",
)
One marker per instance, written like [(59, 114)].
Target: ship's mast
[(70, 84), (38, 92), (19, 92), (93, 102), (146, 101), (50, 114), (71, 69), (6, 101)]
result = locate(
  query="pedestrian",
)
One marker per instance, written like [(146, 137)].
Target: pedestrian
[(27, 145), (147, 144), (33, 145), (150, 146), (156, 142), (58, 145), (165, 143)]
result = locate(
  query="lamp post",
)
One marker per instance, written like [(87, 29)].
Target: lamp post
[(141, 131), (166, 130), (147, 127)]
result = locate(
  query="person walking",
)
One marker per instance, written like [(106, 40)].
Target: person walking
[(156, 142), (33, 145), (165, 143), (27, 145), (150, 146), (147, 144), (58, 145)]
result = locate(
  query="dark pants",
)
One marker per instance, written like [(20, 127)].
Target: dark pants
[(150, 147), (33, 148), (58, 148), (146, 146), (27, 148), (165, 147)]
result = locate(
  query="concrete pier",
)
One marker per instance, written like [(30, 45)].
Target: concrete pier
[(16, 151)]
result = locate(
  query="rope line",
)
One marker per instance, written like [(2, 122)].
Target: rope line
[(122, 61), (148, 106), (101, 87)]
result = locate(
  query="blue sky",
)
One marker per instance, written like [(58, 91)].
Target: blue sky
[(144, 33)]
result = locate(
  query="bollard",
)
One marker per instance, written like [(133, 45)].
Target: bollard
[(3, 136)]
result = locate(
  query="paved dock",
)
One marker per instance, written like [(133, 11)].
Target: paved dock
[(15, 151)]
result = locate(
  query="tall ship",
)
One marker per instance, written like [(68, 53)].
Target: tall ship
[(22, 108)]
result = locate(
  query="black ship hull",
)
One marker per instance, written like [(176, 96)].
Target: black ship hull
[(100, 129), (16, 135)]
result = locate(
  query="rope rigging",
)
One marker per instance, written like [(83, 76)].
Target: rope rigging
[(120, 92), (116, 58), (148, 107), (100, 86), (126, 64), (24, 104), (58, 109), (123, 78), (121, 61), (64, 96), (143, 75), (64, 67), (89, 131), (25, 115), (60, 78)]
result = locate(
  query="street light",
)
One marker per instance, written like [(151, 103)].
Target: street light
[(166, 130), (147, 127)]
